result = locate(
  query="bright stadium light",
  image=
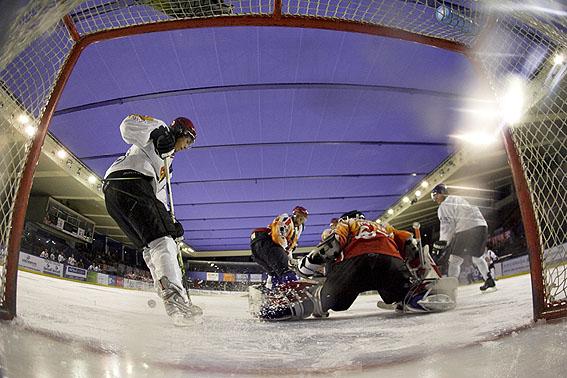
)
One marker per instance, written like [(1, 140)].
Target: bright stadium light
[(30, 130), (92, 179), (424, 184), (62, 154), (479, 138), (418, 193), (513, 102), (390, 211), (406, 199), (558, 59), (24, 119)]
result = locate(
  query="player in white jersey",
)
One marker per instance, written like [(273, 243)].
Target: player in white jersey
[(463, 232), (136, 198)]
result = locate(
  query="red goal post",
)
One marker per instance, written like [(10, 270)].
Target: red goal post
[(47, 38)]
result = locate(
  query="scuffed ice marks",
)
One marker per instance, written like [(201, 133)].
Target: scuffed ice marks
[(230, 341)]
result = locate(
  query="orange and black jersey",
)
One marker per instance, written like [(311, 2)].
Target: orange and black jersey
[(361, 236), (284, 232)]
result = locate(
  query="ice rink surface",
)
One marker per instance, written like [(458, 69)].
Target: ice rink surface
[(69, 329)]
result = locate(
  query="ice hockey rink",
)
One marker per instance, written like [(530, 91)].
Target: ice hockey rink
[(70, 329)]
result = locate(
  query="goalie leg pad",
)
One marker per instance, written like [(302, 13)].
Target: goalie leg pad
[(435, 295)]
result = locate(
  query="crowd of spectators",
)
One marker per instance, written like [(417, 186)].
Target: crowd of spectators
[(103, 256)]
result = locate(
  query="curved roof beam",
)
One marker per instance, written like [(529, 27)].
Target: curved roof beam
[(397, 195), (265, 86), (272, 144)]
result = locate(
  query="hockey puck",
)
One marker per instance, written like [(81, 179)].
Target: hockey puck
[(151, 303)]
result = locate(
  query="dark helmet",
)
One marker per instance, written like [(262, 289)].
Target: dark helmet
[(300, 210), (353, 214), (439, 189), (183, 127)]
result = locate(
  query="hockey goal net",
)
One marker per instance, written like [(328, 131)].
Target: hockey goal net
[(44, 38)]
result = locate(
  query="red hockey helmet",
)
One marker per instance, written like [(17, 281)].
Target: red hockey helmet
[(300, 210), (183, 127)]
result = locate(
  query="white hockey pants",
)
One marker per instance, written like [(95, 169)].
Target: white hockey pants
[(455, 263), (161, 258)]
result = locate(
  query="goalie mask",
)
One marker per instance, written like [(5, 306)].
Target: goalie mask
[(183, 127)]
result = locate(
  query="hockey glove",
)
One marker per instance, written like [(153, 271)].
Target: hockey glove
[(164, 141), (439, 252), (178, 232), (329, 249), (312, 265), (411, 249)]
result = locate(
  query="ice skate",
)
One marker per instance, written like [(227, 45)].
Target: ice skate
[(488, 284), (177, 306)]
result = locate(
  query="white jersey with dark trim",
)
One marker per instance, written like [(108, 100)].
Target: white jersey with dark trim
[(142, 156), (457, 215)]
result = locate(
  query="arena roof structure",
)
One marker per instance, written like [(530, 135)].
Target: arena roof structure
[(329, 120), (330, 105)]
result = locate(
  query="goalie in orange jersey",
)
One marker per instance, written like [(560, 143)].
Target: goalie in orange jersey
[(272, 246), (366, 255)]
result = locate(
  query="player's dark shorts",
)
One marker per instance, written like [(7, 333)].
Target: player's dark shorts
[(269, 255), (131, 202), (347, 279), (470, 242)]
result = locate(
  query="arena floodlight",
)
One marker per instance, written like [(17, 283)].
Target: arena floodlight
[(30, 130), (513, 101), (24, 119), (479, 138), (62, 154)]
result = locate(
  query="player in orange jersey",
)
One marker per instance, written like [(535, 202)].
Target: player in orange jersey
[(272, 246), (365, 255)]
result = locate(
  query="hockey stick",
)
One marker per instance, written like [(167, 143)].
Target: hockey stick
[(505, 257), (167, 161), (417, 234)]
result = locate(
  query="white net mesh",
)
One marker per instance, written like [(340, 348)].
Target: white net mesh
[(527, 48), (93, 16), (457, 21), (522, 41), (26, 83)]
